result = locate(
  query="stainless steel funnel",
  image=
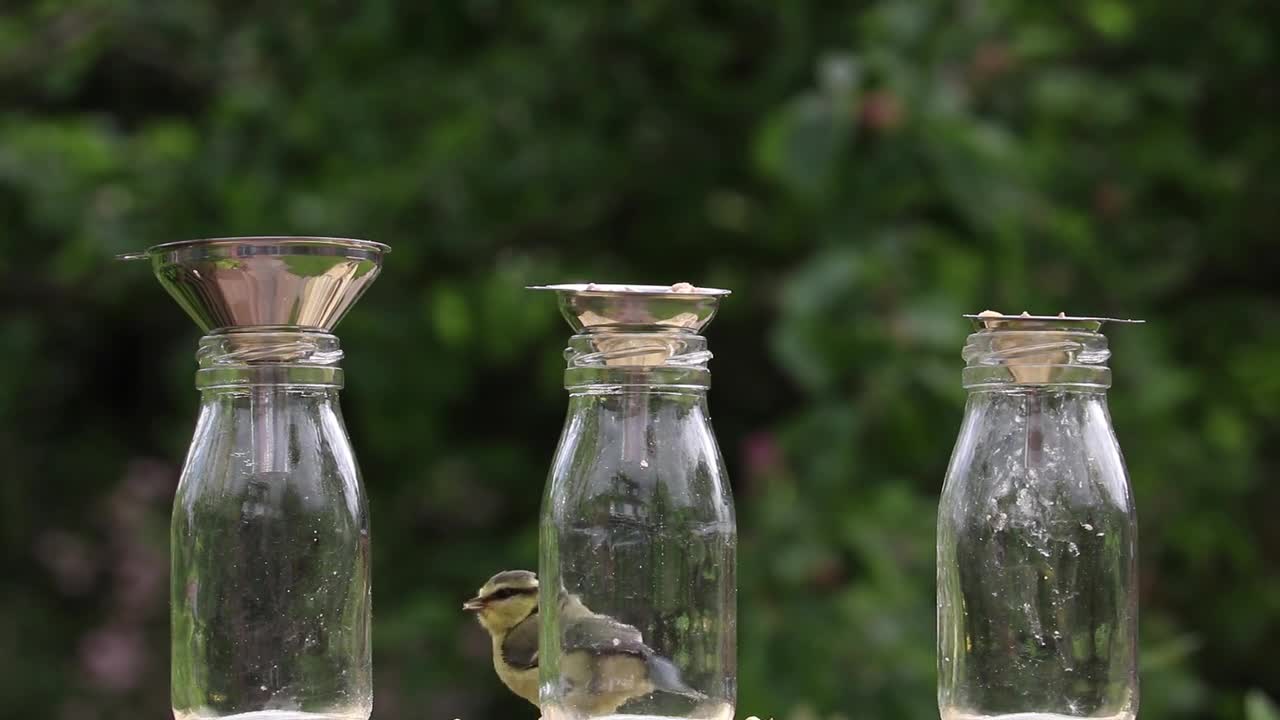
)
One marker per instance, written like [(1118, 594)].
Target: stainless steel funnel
[(598, 307), (305, 282), (637, 326)]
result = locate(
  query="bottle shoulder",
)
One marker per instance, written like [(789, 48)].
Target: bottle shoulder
[(1055, 450)]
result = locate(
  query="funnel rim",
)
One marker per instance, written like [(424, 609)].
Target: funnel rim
[(616, 289), (1050, 318), (1026, 322), (353, 243)]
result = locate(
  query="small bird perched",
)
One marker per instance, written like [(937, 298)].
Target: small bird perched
[(604, 663)]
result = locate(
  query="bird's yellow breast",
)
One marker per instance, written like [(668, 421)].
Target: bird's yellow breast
[(521, 682)]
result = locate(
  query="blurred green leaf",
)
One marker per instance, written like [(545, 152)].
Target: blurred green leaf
[(860, 174), (1257, 706)]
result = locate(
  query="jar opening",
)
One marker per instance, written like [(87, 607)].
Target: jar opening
[(637, 359), (269, 356), (999, 357)]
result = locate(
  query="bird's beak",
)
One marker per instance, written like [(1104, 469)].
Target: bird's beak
[(475, 604)]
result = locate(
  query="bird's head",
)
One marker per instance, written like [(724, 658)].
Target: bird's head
[(506, 600)]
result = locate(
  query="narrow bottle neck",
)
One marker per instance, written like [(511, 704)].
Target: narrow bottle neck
[(269, 358), (620, 362), (1036, 361)]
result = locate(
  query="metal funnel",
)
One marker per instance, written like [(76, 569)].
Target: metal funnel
[(594, 307), (992, 320), (306, 282)]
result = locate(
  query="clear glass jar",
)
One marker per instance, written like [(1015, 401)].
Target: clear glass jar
[(1037, 536), (270, 538), (638, 600)]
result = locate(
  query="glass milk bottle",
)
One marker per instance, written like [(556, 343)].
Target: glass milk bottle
[(638, 538), (270, 534), (1037, 537)]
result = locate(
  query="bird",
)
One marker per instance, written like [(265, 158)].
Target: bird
[(604, 663)]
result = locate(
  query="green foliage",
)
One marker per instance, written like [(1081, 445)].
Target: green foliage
[(859, 173), (1259, 707)]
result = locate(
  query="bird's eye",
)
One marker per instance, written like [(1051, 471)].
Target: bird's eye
[(502, 594)]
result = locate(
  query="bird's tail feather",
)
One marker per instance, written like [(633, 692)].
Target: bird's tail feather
[(665, 676)]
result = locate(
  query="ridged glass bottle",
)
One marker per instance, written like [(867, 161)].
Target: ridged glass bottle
[(638, 537), (1037, 536), (270, 538)]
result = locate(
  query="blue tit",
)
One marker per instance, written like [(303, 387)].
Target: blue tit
[(604, 663), (507, 608)]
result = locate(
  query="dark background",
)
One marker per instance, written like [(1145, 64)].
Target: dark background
[(860, 174)]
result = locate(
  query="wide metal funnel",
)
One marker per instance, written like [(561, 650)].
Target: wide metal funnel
[(599, 307), (306, 282), (637, 326)]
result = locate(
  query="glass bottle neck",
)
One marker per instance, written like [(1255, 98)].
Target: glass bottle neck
[(269, 357), (1036, 361), (617, 362)]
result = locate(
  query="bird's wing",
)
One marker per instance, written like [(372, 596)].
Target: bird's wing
[(605, 637), (600, 634), (520, 646)]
